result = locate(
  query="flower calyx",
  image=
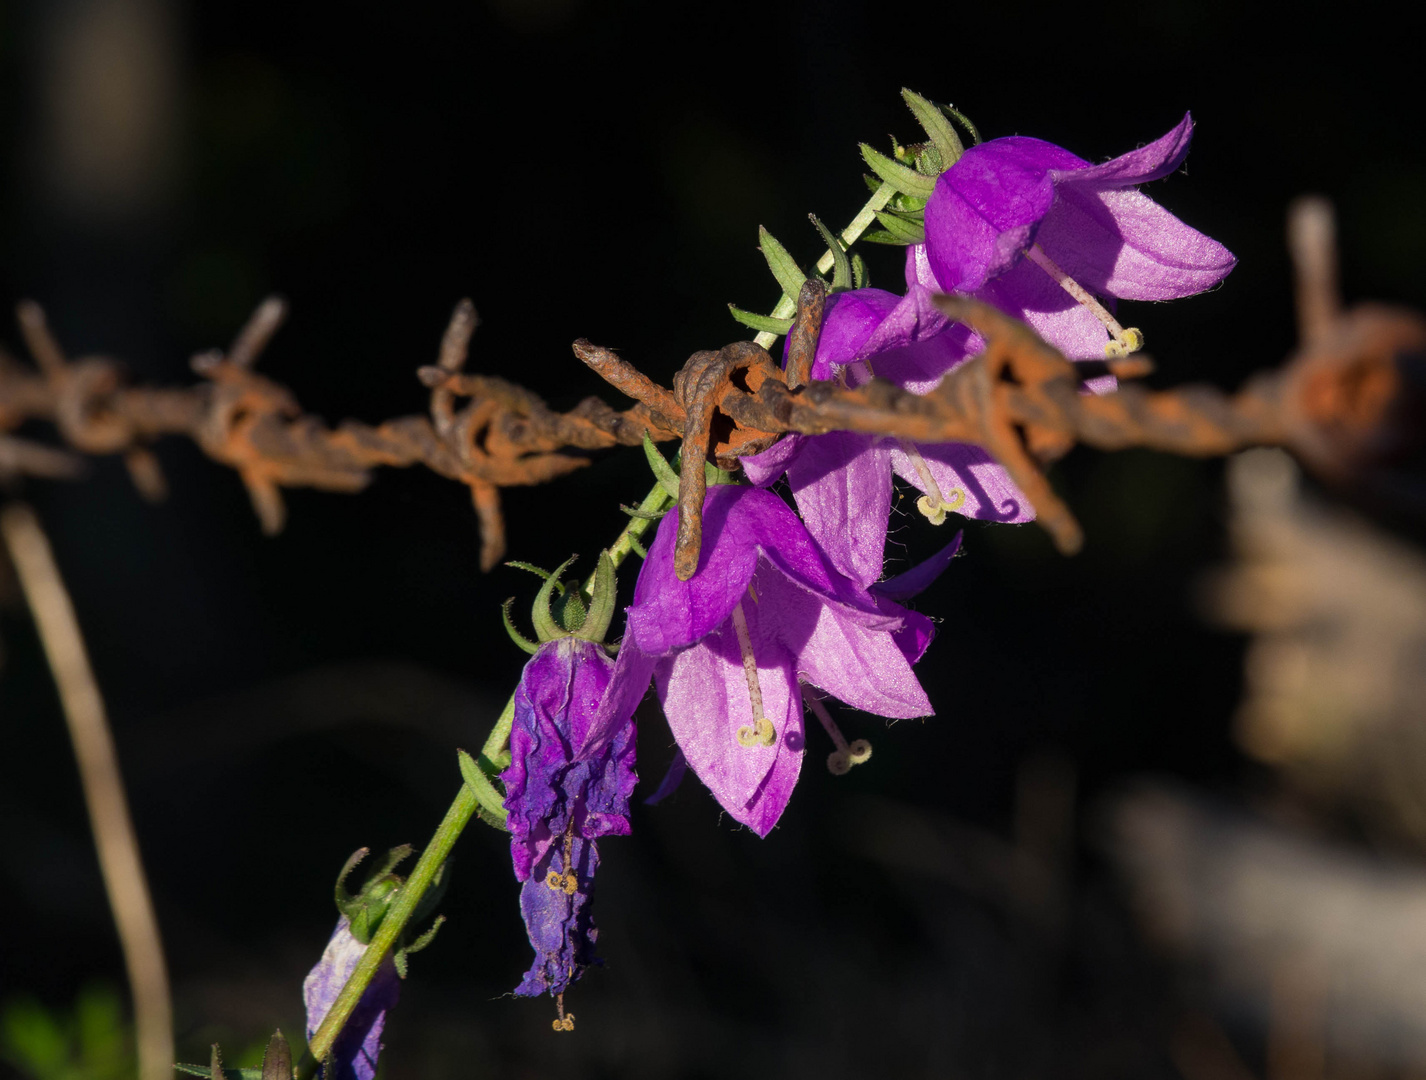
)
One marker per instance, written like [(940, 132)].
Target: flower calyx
[(565, 608), (365, 909)]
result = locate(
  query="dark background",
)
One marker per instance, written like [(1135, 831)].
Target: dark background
[(599, 169)]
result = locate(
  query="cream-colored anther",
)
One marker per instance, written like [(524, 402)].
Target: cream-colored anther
[(1125, 341), (565, 1021), (760, 732), (840, 760), (933, 505)]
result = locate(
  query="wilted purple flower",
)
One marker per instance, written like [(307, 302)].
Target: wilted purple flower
[(570, 776), (842, 481), (729, 646), (355, 1052), (1031, 228)]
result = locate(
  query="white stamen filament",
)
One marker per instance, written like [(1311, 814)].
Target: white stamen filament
[(1125, 341), (760, 732), (933, 504), (840, 761)]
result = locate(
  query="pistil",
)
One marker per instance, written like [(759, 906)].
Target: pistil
[(761, 731), (1125, 341), (933, 505), (840, 760)]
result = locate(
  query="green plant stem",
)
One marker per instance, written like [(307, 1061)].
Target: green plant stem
[(466, 801)]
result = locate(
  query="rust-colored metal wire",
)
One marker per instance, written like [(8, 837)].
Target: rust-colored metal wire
[(1345, 403)]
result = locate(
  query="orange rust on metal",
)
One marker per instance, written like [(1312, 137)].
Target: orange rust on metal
[(806, 330)]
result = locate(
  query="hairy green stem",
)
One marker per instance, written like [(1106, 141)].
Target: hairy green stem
[(467, 799)]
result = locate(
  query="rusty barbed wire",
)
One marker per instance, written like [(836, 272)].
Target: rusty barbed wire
[(1348, 403)]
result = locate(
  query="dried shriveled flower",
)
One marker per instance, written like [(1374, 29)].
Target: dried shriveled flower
[(731, 647)]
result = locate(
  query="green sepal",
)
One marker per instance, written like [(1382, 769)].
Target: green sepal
[(491, 804), (277, 1059), (938, 128), (601, 600), (518, 638), (570, 612), (545, 574), (643, 515), (712, 475), (398, 957), (904, 179), (841, 265), (783, 266), (638, 548), (860, 277), (929, 161), (365, 910), (906, 232), (667, 478), (964, 121), (546, 629), (881, 236), (765, 324)]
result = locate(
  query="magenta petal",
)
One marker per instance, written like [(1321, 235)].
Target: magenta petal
[(355, 1053), (989, 493), (764, 469), (1151, 162), (667, 613), (986, 207), (920, 577), (629, 682), (1122, 243), (849, 320), (863, 667), (842, 484), (1031, 295), (705, 697)]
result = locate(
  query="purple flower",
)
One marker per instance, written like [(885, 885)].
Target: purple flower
[(355, 1052), (842, 482), (1083, 227), (570, 776), (729, 647)]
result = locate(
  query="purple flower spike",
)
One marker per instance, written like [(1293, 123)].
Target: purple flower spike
[(570, 777), (764, 612), (1081, 223), (356, 1050), (842, 482)]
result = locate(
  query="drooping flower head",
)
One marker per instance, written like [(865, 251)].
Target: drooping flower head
[(1038, 232), (731, 647)]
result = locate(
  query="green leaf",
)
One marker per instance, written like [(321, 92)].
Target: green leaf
[(938, 128), (518, 638), (667, 478), (783, 266), (571, 612), (546, 629), (881, 236), (905, 180), (492, 804), (964, 122), (206, 1071), (841, 265), (601, 600), (906, 232), (764, 323), (277, 1059), (860, 277), (532, 568), (643, 515)]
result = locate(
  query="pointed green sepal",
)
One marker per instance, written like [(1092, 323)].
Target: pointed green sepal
[(881, 236), (860, 277), (638, 548), (841, 265), (546, 629), (543, 574), (783, 266), (277, 1059), (964, 121), (938, 128), (905, 231), (491, 802), (643, 515), (667, 478), (571, 611), (712, 475), (765, 324), (905, 180), (518, 638), (601, 600), (398, 957)]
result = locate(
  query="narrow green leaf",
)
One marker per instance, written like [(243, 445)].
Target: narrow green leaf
[(943, 136), (601, 600), (532, 568), (215, 1067), (546, 629), (964, 121), (783, 266), (518, 638), (881, 236), (760, 322), (905, 180), (906, 232), (492, 803), (643, 515), (860, 277), (277, 1059), (206, 1071), (841, 265), (667, 478)]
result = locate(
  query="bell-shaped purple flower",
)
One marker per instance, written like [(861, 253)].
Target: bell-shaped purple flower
[(570, 777), (729, 647), (842, 481), (1082, 226), (355, 1052)]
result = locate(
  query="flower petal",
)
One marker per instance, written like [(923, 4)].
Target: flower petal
[(356, 1050), (560, 924), (1031, 295), (842, 485), (986, 207), (1151, 162), (989, 493), (705, 696), (848, 320), (763, 469), (920, 577)]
